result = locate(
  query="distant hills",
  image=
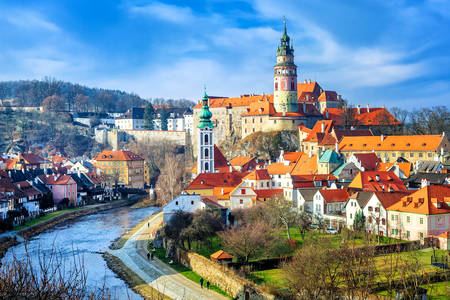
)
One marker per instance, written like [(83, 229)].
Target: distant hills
[(77, 97)]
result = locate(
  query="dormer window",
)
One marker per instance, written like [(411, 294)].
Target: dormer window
[(408, 144), (392, 145), (364, 145), (424, 144)]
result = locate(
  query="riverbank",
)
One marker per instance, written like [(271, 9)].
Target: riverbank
[(28, 232), (133, 281), (156, 273)]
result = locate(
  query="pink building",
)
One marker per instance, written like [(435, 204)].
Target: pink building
[(421, 214), (62, 186)]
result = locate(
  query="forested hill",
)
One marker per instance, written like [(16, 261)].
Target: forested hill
[(75, 96)]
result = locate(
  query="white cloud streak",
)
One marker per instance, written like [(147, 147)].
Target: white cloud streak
[(166, 12)]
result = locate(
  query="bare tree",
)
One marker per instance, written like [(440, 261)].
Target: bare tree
[(170, 181), (283, 211)]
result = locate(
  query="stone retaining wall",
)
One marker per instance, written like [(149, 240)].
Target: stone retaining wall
[(222, 276)]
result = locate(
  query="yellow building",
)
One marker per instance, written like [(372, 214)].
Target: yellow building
[(389, 148), (124, 167)]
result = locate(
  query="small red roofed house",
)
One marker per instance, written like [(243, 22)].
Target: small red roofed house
[(365, 161), (377, 181), (62, 187), (422, 214), (206, 183)]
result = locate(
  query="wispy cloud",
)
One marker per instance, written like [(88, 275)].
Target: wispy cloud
[(166, 12), (29, 20)]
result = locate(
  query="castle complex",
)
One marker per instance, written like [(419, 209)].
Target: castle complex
[(290, 105)]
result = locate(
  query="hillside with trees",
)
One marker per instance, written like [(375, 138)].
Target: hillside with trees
[(75, 97)]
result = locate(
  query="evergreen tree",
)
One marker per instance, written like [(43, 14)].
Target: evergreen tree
[(164, 115), (359, 222), (149, 116)]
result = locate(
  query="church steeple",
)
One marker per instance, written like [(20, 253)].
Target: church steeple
[(205, 128), (205, 114)]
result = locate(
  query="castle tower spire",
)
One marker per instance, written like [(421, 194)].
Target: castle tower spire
[(285, 76), (205, 154)]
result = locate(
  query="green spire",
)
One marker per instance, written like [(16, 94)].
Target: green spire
[(205, 114), (285, 48)]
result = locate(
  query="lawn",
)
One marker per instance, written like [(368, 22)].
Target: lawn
[(274, 277), (186, 272), (435, 291), (207, 249), (45, 217)]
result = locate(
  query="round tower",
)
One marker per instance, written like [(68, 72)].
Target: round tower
[(205, 143), (285, 77)]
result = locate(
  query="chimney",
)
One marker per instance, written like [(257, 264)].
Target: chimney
[(336, 147), (368, 109), (326, 113), (322, 127), (424, 183), (304, 81), (382, 138), (231, 169), (222, 192), (79, 173), (443, 133), (358, 108)]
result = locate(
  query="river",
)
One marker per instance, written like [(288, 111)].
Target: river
[(88, 236)]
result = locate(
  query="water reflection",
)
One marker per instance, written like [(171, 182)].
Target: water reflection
[(87, 236)]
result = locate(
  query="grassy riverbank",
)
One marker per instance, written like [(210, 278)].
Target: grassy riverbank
[(45, 218)]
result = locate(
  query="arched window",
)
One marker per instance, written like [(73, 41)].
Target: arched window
[(206, 153), (206, 139), (206, 166), (292, 86), (276, 86)]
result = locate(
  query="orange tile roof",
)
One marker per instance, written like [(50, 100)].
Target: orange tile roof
[(107, 155), (405, 167), (377, 181), (222, 193), (328, 127), (278, 169), (10, 162), (429, 200), (57, 179), (388, 199), (261, 107), (369, 161), (311, 89), (292, 156), (260, 174), (243, 100), (305, 165), (221, 255), (241, 160), (375, 116), (58, 158), (391, 143)]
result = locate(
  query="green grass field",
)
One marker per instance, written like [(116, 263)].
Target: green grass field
[(45, 218), (160, 253), (435, 291)]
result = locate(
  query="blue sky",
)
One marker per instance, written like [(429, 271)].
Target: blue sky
[(370, 51)]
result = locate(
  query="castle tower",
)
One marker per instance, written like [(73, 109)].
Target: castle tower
[(285, 77), (205, 144)]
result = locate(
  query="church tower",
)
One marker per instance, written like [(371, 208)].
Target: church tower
[(285, 77), (205, 144)]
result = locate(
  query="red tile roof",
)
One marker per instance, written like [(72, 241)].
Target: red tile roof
[(375, 116), (57, 179), (267, 194), (241, 160), (327, 126), (211, 180), (335, 195), (369, 161), (328, 96)]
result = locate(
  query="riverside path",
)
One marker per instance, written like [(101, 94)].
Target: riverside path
[(156, 273)]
